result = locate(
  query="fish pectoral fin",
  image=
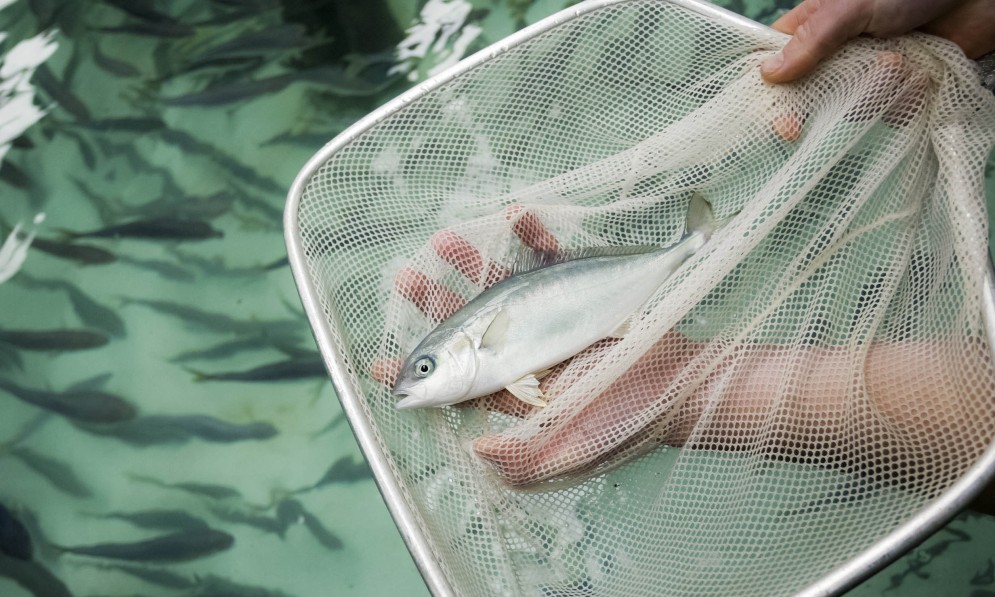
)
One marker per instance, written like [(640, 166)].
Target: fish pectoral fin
[(488, 330), (496, 331), (527, 389)]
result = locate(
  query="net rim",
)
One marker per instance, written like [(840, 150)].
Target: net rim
[(844, 577), (909, 534)]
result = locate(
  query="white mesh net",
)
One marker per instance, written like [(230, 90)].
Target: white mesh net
[(809, 380)]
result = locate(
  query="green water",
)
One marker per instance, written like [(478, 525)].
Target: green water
[(154, 117)]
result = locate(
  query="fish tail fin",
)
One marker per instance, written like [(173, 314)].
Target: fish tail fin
[(701, 219), (198, 375), (66, 235), (58, 549)]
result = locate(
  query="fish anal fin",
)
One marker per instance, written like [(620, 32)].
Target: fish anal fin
[(527, 389)]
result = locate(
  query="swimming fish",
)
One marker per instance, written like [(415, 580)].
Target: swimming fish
[(85, 254), (285, 370), (181, 546), (208, 490), (215, 321), (170, 520), (59, 474), (88, 406), (164, 228), (512, 333), (53, 340), (345, 470), (177, 429)]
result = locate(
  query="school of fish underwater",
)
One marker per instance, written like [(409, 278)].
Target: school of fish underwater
[(167, 426)]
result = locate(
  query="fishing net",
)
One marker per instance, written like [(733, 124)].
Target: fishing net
[(815, 376)]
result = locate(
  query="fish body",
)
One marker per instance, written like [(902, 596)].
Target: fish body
[(151, 29), (161, 519), (59, 474), (165, 269), (233, 93), (85, 254), (181, 546), (289, 369), (57, 339), (214, 321), (87, 406), (167, 429), (513, 332), (256, 44), (118, 68), (208, 490), (345, 470), (165, 228)]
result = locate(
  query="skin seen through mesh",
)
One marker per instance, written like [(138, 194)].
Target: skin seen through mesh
[(601, 132), (821, 428)]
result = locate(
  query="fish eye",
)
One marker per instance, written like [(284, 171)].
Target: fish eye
[(424, 366)]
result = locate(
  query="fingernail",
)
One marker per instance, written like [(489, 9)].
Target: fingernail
[(773, 64)]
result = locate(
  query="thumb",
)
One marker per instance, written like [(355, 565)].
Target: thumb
[(819, 28)]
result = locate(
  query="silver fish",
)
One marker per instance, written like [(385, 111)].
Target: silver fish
[(512, 333)]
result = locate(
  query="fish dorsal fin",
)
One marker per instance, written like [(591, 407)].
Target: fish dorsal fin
[(529, 259), (527, 389)]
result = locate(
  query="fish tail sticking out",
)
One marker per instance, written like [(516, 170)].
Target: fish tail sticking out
[(700, 218)]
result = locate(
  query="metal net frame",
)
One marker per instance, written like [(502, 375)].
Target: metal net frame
[(806, 397)]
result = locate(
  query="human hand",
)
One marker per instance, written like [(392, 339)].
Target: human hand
[(647, 406), (557, 448), (627, 415), (820, 27)]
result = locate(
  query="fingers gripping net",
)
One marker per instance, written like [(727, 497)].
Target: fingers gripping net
[(809, 380)]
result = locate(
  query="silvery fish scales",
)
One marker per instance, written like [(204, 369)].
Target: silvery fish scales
[(513, 332)]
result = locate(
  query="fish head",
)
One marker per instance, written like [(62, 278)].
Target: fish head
[(439, 372)]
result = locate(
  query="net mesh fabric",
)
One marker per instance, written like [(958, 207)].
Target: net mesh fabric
[(809, 380)]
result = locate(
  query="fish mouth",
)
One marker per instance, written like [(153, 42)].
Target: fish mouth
[(407, 401)]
